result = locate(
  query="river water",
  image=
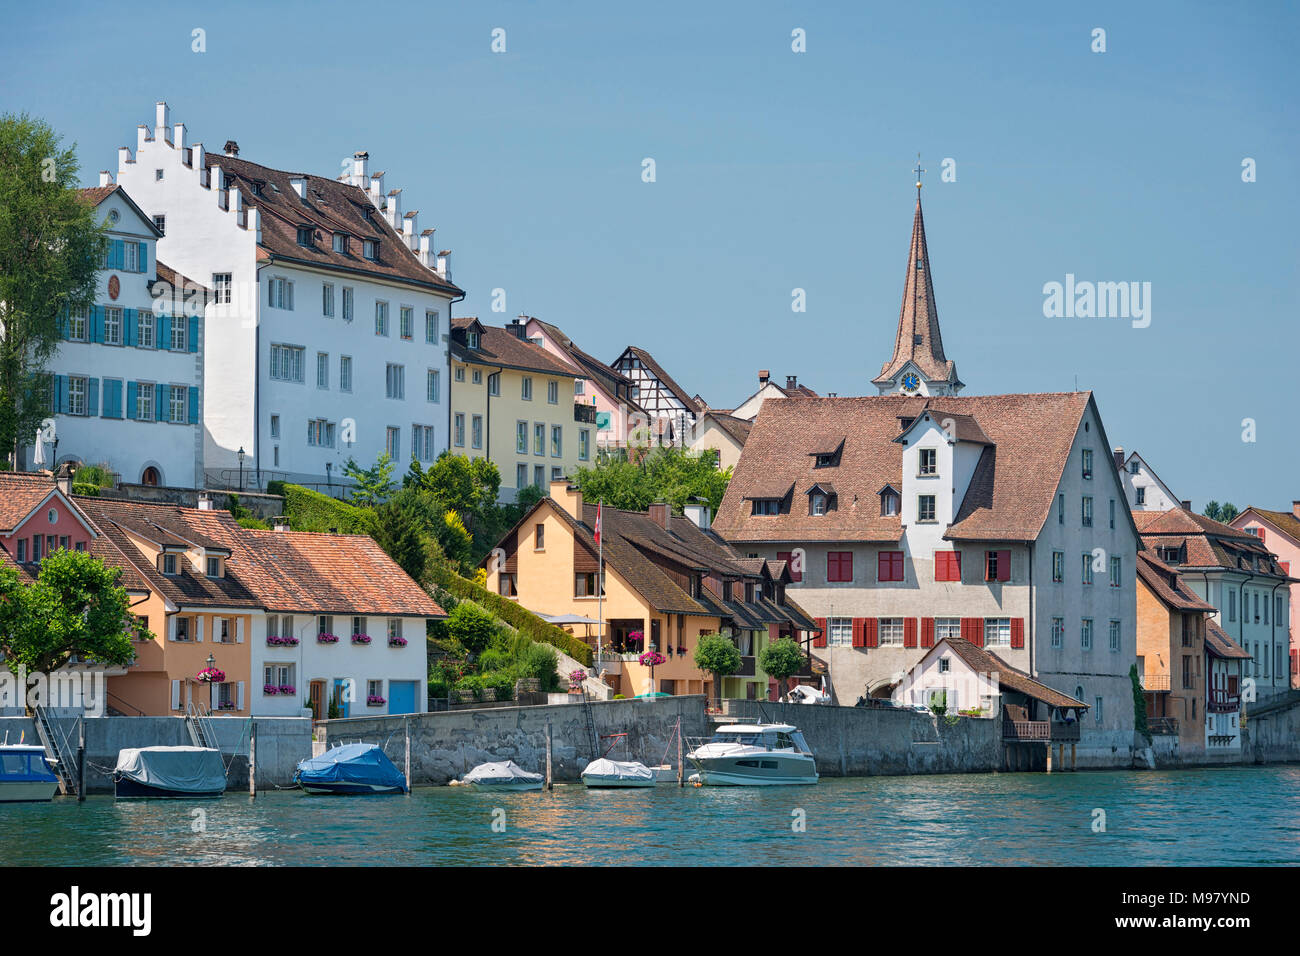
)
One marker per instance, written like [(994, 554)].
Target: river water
[(1222, 816)]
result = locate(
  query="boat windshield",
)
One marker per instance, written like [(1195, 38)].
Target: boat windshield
[(744, 740)]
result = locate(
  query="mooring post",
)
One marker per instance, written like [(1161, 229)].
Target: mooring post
[(1049, 756), (550, 785), (252, 760), (407, 725), (81, 759), (680, 777)]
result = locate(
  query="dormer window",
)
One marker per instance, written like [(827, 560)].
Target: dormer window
[(340, 243), (168, 564), (825, 461), (889, 501), (370, 249), (929, 463), (471, 339), (214, 569), (767, 506), (818, 504), (306, 236)]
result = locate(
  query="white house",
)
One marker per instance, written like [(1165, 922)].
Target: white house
[(328, 336), (672, 413), (1142, 486), (128, 373)]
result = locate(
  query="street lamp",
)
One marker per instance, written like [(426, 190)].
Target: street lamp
[(240, 453)]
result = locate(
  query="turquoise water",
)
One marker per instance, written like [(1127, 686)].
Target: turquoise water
[(1228, 816)]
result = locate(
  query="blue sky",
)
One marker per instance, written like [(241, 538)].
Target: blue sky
[(778, 170)]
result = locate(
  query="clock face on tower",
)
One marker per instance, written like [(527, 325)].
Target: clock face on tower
[(910, 382)]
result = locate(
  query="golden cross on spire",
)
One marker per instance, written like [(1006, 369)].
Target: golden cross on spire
[(918, 170)]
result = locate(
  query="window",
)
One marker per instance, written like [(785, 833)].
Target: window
[(839, 632), (539, 438), (179, 399), (77, 325), (1087, 511), (526, 392), (381, 318), (521, 476), (76, 395), (406, 322), (287, 362), (327, 300), (431, 327), (997, 566), (521, 438), (340, 243), (144, 402), (459, 429), (395, 381), (144, 334), (1115, 572), (818, 504), (579, 387), (370, 249), (1087, 463), (345, 373), (839, 566), (182, 623), (1060, 509), (1087, 569), (322, 370), (1114, 636), (112, 326), (891, 632), (222, 286), (320, 433), (1232, 605), (539, 537), (1058, 631), (431, 388), (584, 584), (928, 464), (157, 175), (945, 665), (306, 236), (947, 565), (584, 444), (460, 373), (476, 431), (169, 565), (539, 477), (925, 507), (553, 393), (471, 339), (997, 632), (422, 442), (889, 504), (889, 566), (22, 550), (393, 443), (279, 293), (179, 334), (160, 223), (131, 258), (557, 441), (1085, 634), (1140, 495), (766, 506), (1112, 514), (347, 304), (494, 382), (947, 627)]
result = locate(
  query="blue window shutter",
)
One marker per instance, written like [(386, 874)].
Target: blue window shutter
[(193, 337), (162, 397), (63, 394), (92, 396), (96, 323), (144, 257), (119, 254), (112, 398), (164, 338), (194, 404), (128, 326), (132, 394)]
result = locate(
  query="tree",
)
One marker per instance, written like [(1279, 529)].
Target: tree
[(51, 245), (455, 541), (472, 626), (74, 607), (720, 657), (398, 532), (1212, 510), (664, 474), (781, 659), (1221, 512), (373, 484)]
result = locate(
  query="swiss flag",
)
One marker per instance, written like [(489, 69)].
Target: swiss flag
[(598, 507)]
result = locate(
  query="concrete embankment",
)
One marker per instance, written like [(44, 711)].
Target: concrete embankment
[(281, 743)]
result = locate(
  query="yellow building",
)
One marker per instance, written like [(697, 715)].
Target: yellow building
[(512, 402), (668, 581)]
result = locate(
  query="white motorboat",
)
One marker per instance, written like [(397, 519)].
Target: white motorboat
[(25, 775), (754, 755), (618, 773), (502, 775)]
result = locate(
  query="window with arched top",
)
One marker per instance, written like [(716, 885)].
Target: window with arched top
[(149, 476)]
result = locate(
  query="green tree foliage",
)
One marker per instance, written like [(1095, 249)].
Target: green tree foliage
[(398, 532), (373, 484), (51, 244), (75, 606), (670, 474), (1139, 704), (717, 655), (472, 626), (1221, 512), (781, 659), (467, 485)]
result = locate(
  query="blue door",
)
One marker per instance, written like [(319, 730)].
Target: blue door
[(401, 697), (340, 696)]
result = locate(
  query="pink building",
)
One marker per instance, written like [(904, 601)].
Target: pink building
[(37, 517), (1279, 531)]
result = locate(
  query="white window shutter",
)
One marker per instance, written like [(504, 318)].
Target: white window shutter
[(239, 703), (198, 629), (171, 627), (239, 631), (176, 695), (215, 697)]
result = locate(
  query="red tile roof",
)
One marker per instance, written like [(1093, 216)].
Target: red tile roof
[(20, 492), (667, 380), (984, 661), (499, 346), (1219, 644), (1164, 582), (1284, 521)]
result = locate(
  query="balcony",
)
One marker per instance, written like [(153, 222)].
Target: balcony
[(1167, 726), (746, 667), (584, 413), (1039, 731), (1223, 701), (1155, 682)]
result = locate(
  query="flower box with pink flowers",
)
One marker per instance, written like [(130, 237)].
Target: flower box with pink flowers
[(361, 639), (327, 638)]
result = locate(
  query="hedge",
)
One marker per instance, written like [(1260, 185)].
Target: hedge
[(522, 619), (309, 510)]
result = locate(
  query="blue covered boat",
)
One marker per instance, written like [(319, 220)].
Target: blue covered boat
[(25, 775), (351, 769)]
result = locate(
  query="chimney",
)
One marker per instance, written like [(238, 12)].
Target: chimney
[(763, 376), (360, 168), (105, 178), (299, 184), (231, 148), (697, 512), (123, 157), (792, 382), (162, 119), (1187, 504), (409, 222), (63, 477), (444, 264), (567, 496), (196, 157), (280, 523), (376, 189), (393, 212), (659, 513), (516, 327), (1119, 457), (178, 135), (141, 137), (1295, 508), (426, 248), (205, 502)]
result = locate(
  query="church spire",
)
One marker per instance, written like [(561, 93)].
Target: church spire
[(918, 342)]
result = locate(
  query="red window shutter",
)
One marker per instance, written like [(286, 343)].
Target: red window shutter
[(896, 565), (1017, 632), (1286, 567), (927, 632), (882, 566), (1260, 532), (974, 626), (1004, 565), (947, 566), (871, 635), (909, 632), (846, 565), (858, 637), (820, 639)]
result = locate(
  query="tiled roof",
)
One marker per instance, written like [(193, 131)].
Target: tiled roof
[(330, 207), (178, 281), (737, 428), (1208, 543), (667, 380), (1010, 493), (499, 346), (97, 194), (1284, 521), (1218, 643), (590, 366), (1165, 584), (20, 492), (986, 662)]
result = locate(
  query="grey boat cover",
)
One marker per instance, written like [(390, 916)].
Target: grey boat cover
[(617, 771), (502, 772), (187, 769)]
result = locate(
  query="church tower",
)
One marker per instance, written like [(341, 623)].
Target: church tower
[(918, 366)]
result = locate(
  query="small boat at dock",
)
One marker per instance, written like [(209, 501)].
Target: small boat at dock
[(754, 755), (25, 774), (173, 773), (352, 769), (502, 775), (606, 773)]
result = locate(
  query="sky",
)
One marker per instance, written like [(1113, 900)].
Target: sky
[(777, 170)]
